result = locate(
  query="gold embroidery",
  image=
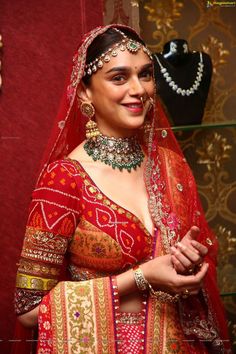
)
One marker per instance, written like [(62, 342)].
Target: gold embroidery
[(86, 182), (92, 189), (34, 268), (120, 211), (92, 246), (57, 307), (102, 309), (87, 311), (26, 281), (80, 317), (42, 256), (128, 215), (44, 245)]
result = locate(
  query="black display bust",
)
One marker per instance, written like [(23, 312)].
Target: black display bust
[(183, 80)]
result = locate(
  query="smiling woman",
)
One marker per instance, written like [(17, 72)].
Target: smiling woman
[(118, 86), (116, 198), (116, 92)]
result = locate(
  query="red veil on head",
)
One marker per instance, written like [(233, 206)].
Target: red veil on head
[(173, 200)]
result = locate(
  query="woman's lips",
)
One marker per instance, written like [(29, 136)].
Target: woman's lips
[(134, 107)]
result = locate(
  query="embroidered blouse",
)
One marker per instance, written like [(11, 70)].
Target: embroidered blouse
[(72, 222)]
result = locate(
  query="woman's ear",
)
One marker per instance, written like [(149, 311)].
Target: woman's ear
[(84, 93)]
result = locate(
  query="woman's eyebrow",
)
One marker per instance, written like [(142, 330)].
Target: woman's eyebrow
[(128, 68)]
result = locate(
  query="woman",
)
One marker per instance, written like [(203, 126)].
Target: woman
[(115, 209)]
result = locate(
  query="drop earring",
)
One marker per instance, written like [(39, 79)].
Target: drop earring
[(91, 128)]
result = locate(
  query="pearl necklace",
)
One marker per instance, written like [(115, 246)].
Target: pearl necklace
[(180, 91), (121, 153)]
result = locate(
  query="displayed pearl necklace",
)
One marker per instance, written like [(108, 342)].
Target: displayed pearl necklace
[(180, 91), (121, 153)]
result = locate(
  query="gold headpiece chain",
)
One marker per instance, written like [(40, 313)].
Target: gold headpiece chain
[(126, 43)]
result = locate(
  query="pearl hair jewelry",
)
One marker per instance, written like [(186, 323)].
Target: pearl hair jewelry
[(180, 91), (125, 44)]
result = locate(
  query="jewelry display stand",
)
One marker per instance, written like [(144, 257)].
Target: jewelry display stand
[(182, 80)]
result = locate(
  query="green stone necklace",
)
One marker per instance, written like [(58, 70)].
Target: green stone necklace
[(121, 153)]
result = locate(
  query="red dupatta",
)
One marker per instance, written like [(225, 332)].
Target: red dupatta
[(174, 206)]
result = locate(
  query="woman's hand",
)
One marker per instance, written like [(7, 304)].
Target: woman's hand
[(161, 274), (188, 253)]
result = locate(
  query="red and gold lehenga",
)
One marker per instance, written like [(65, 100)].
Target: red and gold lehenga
[(72, 222)]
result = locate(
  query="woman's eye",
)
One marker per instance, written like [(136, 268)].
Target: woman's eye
[(119, 78), (146, 74)]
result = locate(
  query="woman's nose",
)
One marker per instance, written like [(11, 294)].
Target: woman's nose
[(136, 87)]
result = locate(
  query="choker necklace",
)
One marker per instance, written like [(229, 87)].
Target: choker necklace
[(180, 91), (121, 153)]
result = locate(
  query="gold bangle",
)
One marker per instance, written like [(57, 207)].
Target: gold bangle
[(140, 280), (143, 284), (163, 296)]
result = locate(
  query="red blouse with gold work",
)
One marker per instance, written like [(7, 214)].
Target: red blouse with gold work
[(71, 220)]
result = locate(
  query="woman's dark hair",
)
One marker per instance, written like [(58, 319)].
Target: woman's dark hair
[(105, 41)]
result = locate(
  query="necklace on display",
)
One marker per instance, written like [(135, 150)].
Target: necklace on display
[(180, 91), (121, 153)]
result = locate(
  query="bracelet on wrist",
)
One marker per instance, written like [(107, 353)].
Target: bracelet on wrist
[(140, 280), (163, 296), (143, 285)]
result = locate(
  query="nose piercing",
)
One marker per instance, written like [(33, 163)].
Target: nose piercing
[(143, 99)]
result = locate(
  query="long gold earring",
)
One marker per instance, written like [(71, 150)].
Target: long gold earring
[(91, 128)]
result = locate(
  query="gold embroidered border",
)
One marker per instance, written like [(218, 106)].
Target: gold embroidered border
[(154, 342), (59, 333), (38, 269), (26, 281), (104, 316), (82, 317), (42, 256)]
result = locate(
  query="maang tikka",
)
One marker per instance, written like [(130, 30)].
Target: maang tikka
[(91, 128), (125, 43)]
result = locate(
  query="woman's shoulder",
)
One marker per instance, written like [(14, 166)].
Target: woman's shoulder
[(61, 175), (66, 166)]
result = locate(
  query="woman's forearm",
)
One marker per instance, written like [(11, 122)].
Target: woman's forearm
[(126, 283), (29, 319)]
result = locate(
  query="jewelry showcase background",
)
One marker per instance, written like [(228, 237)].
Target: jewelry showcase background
[(210, 150)]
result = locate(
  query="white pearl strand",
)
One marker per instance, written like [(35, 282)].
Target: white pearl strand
[(175, 87)]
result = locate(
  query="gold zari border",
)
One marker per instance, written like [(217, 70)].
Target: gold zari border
[(26, 281)]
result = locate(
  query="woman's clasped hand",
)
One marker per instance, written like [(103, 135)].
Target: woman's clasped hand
[(183, 270)]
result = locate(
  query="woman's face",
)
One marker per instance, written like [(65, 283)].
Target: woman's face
[(116, 91)]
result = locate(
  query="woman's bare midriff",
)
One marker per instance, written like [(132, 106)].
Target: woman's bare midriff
[(131, 303)]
